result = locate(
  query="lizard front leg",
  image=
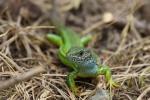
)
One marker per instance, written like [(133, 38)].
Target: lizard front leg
[(105, 70), (70, 81), (55, 39), (86, 39)]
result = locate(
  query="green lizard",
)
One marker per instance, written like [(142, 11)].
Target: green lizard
[(72, 53)]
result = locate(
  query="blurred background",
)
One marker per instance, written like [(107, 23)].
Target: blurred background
[(121, 38)]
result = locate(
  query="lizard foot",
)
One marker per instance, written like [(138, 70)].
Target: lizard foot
[(112, 84)]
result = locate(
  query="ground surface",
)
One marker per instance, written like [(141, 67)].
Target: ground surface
[(121, 38)]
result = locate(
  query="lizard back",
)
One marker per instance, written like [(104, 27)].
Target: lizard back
[(70, 39)]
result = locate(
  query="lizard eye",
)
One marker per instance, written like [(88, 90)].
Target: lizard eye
[(81, 53)]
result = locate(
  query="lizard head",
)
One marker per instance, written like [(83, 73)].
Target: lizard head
[(81, 57)]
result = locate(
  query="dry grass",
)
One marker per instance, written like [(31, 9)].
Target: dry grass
[(29, 66)]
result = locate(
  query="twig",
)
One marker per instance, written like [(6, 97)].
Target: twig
[(40, 27), (21, 77), (12, 39), (107, 19), (94, 26), (133, 66), (143, 93), (127, 96), (4, 34), (125, 33), (127, 71), (131, 75), (140, 25), (27, 45), (10, 61)]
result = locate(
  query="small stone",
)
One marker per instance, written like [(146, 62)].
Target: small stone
[(107, 17), (100, 94)]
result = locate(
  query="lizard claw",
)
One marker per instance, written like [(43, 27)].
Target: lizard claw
[(112, 84), (75, 91)]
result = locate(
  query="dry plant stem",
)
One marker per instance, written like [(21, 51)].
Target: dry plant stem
[(127, 71), (10, 61), (125, 33), (134, 75), (143, 93), (21, 77), (39, 27), (134, 30), (127, 96), (57, 88), (129, 67), (12, 39), (94, 26), (5, 61), (140, 25), (27, 46), (107, 19), (133, 66), (4, 34)]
